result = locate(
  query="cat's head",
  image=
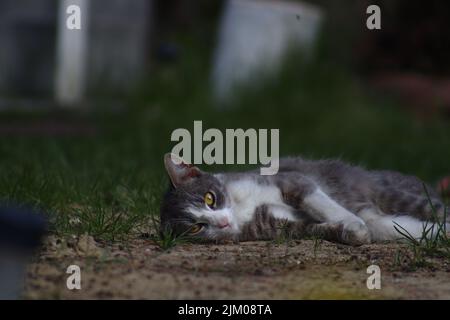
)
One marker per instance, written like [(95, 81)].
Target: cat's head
[(196, 204)]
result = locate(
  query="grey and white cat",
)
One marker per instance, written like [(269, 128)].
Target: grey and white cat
[(325, 198)]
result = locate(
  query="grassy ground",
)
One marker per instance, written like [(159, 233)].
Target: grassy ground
[(139, 269)]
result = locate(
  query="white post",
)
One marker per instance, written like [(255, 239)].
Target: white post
[(72, 46)]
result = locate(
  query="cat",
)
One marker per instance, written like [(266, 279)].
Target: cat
[(326, 199)]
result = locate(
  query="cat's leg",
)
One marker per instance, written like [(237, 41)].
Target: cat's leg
[(351, 229), (261, 227), (264, 226), (396, 193), (383, 226), (304, 195), (335, 232)]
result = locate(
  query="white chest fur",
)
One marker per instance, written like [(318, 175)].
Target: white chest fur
[(247, 195)]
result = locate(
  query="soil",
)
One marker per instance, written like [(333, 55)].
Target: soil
[(305, 269)]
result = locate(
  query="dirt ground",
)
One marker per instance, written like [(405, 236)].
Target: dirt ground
[(302, 269)]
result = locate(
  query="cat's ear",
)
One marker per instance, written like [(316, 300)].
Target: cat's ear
[(180, 171)]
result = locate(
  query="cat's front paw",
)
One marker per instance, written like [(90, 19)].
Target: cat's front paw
[(355, 233)]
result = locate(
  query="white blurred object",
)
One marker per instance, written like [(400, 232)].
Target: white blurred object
[(255, 36), (72, 49), (108, 53)]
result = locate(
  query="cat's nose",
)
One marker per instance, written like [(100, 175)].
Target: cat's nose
[(223, 223)]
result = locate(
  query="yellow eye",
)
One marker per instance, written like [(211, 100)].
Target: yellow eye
[(210, 199), (196, 228)]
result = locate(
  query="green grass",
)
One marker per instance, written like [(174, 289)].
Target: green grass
[(166, 240), (110, 184), (434, 240)]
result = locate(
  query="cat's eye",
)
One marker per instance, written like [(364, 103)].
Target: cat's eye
[(210, 199), (196, 228)]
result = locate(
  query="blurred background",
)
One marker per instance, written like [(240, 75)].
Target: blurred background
[(86, 115)]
